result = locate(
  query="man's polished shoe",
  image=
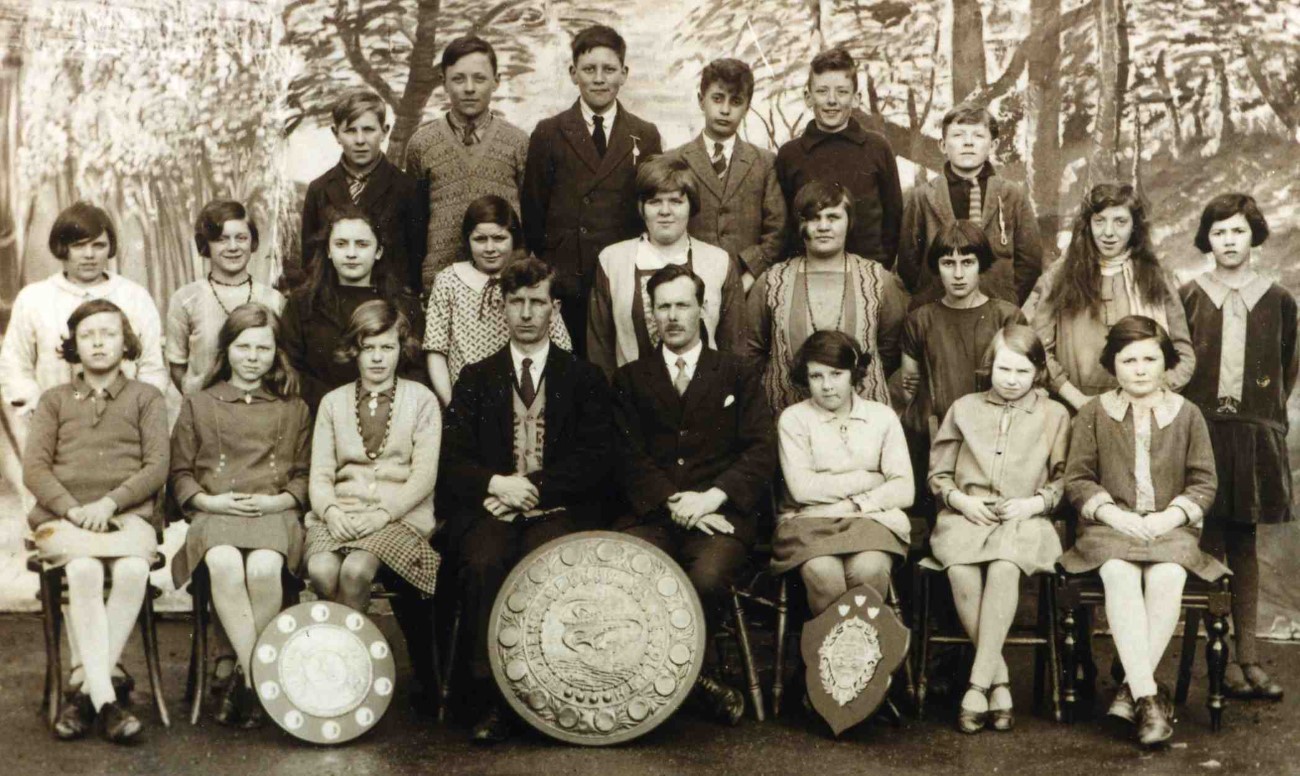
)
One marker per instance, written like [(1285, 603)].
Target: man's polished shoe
[(1123, 707), (116, 724), (724, 703), (1153, 726), (1254, 684), (76, 718), (494, 728)]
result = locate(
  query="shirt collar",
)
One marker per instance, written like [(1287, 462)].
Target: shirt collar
[(477, 126), (97, 291), (472, 276), (361, 175), (609, 114), (82, 390), (1218, 291), (692, 356), (225, 391), (853, 132), (985, 172), (858, 410), (1165, 409), (728, 146), (1027, 403), (517, 356)]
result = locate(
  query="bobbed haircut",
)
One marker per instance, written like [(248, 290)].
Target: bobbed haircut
[(834, 349), (662, 174), (131, 347), (79, 222), (1225, 206), (960, 237), (818, 195), (211, 223), (969, 112), (735, 76), (465, 45), (282, 380), (370, 319), (1135, 328), (1021, 340), (668, 274), (491, 209), (526, 273), (357, 103), (599, 36), (834, 60), (1077, 287)]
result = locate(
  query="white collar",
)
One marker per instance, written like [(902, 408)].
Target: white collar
[(471, 275), (858, 410), (651, 256), (728, 146), (539, 358), (96, 291), (1164, 409), (609, 114), (1027, 403), (691, 357), (1218, 291)]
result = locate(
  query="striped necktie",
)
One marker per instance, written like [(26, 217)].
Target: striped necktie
[(976, 202), (355, 187), (719, 161), (683, 380)]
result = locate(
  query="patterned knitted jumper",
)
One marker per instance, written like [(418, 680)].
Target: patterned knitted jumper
[(456, 174)]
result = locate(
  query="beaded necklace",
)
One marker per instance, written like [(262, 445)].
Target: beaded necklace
[(373, 406), (248, 281), (839, 316)]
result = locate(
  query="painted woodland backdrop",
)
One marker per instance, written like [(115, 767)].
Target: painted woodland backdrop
[(152, 107)]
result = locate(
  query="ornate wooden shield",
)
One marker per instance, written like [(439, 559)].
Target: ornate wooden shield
[(851, 651), (323, 672), (596, 638)]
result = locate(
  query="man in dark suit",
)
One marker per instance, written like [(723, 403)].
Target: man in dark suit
[(699, 453), (579, 192), (527, 444), (365, 178), (742, 208)]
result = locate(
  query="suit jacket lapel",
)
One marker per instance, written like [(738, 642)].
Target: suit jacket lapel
[(697, 156), (742, 159), (336, 188), (992, 193), (655, 374), (620, 144), (381, 180), (497, 402), (702, 382), (556, 381), (575, 131), (936, 193)]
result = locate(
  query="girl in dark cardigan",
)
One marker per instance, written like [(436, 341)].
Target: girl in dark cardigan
[(1244, 330), (1141, 475)]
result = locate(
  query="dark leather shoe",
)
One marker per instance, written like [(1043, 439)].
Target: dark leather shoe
[(494, 728), (1002, 720), (251, 713), (1253, 685), (723, 703), (1153, 726), (230, 700), (972, 722), (1122, 707), (116, 724), (75, 719)]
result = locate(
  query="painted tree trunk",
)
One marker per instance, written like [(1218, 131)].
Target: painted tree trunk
[(967, 43), (1043, 112)]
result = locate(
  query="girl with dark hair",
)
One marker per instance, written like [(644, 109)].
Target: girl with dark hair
[(240, 455), (350, 272), (226, 235), (1108, 272), (848, 477), (1141, 475), (1244, 327), (825, 289), (466, 314), (996, 466), (374, 464), (95, 458)]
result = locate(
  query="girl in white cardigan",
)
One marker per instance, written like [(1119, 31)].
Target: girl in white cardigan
[(374, 466)]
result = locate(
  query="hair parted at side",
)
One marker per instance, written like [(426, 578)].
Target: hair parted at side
[(357, 103), (371, 319), (599, 36), (1135, 328), (834, 60), (834, 349), (211, 224), (131, 347), (668, 274), (969, 112), (491, 209), (79, 222), (735, 76), (282, 380), (526, 273), (1022, 340), (465, 45), (1077, 287), (817, 195), (662, 174), (961, 237), (1225, 206)]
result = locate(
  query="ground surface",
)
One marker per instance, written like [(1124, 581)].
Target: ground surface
[(1257, 738)]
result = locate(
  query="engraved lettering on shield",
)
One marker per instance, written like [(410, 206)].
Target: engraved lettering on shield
[(847, 659), (325, 670)]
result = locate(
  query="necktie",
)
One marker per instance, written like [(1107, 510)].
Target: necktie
[(976, 202), (469, 137), (527, 390), (682, 380), (355, 187), (598, 135), (719, 161)]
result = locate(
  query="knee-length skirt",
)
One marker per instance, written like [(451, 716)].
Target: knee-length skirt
[(59, 541), (279, 531), (1254, 474), (799, 539), (1098, 543), (1031, 544), (397, 545)]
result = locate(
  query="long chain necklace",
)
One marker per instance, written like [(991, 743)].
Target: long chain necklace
[(839, 316), (248, 281), (373, 406)]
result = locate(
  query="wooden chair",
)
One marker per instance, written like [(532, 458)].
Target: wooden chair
[(53, 595)]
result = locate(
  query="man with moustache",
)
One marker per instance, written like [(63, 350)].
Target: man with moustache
[(698, 453)]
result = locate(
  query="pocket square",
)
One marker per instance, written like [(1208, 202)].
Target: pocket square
[(730, 400)]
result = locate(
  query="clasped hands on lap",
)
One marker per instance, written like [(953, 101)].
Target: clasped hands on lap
[(350, 523), (981, 511), (1147, 527), (242, 504), (510, 494), (94, 516), (699, 510)]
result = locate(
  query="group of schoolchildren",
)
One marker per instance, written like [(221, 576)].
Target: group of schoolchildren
[(575, 330)]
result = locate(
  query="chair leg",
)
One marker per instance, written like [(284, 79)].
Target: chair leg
[(1087, 659), (200, 592), (909, 677), (747, 656), (444, 689), (923, 645), (149, 634), (434, 653), (1216, 656), (1053, 656), (1070, 660), (1191, 629), (1040, 651), (782, 621), (50, 613)]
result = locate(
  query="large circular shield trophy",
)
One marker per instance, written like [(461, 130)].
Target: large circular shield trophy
[(323, 672), (596, 638)]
